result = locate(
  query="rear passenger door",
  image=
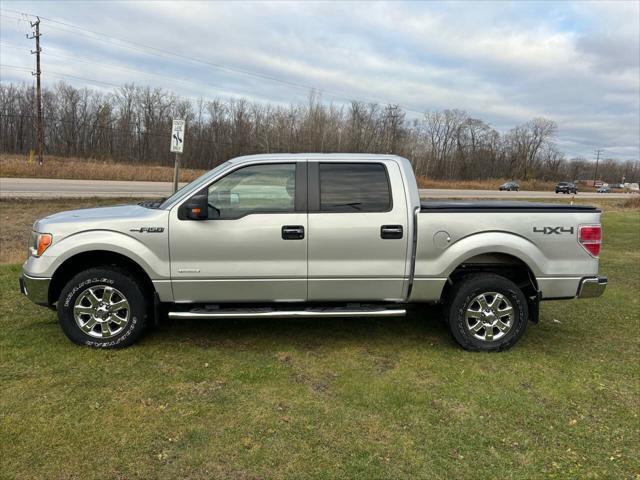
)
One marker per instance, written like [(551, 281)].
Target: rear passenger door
[(357, 231)]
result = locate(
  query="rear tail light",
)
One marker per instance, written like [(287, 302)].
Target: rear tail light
[(590, 237)]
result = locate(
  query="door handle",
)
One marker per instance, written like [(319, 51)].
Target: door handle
[(292, 232), (391, 232)]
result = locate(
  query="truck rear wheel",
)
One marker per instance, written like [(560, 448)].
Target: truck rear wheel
[(103, 307), (487, 312)]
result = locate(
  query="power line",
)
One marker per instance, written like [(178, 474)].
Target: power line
[(110, 65), (166, 52), (151, 50), (63, 75)]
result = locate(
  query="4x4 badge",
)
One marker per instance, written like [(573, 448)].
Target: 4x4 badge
[(553, 230)]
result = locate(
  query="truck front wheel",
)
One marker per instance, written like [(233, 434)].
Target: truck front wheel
[(103, 307), (487, 312)]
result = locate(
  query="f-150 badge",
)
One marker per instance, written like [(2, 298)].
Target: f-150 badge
[(148, 230)]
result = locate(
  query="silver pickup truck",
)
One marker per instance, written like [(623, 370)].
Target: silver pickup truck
[(310, 235)]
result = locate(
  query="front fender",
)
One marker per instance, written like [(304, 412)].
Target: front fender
[(152, 254)]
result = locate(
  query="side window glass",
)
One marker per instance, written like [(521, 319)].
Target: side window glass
[(354, 187), (254, 189)]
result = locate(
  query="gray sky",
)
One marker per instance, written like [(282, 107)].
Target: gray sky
[(505, 63)]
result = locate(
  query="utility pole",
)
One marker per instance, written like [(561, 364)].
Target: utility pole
[(595, 175), (39, 127)]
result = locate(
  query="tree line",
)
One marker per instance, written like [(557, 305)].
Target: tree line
[(133, 123)]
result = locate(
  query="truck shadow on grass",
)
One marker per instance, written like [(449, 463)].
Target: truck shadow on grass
[(421, 325)]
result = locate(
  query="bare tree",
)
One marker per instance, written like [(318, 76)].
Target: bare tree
[(132, 124), (526, 141)]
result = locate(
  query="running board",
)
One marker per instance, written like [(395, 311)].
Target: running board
[(346, 312)]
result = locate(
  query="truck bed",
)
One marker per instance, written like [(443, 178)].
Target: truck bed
[(500, 206), (544, 236)]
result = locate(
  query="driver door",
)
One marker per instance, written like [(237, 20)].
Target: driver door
[(252, 247)]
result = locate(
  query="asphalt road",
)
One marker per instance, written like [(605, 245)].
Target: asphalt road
[(53, 188)]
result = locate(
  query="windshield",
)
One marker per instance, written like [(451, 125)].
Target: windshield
[(178, 193)]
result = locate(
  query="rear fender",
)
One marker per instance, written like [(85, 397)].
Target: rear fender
[(447, 261)]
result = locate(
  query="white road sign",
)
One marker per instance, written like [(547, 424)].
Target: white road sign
[(177, 136)]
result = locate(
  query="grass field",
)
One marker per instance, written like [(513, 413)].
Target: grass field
[(365, 398), (90, 169)]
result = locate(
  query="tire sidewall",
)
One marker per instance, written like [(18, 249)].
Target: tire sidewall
[(469, 290), (112, 278)]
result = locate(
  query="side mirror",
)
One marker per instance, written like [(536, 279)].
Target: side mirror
[(197, 207)]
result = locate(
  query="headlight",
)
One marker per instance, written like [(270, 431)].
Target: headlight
[(39, 243)]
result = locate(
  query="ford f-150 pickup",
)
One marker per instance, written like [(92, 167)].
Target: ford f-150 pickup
[(310, 235)]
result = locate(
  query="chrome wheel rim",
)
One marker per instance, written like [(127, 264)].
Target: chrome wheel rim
[(101, 311), (489, 316)]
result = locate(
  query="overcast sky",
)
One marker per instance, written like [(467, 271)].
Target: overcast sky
[(505, 63)]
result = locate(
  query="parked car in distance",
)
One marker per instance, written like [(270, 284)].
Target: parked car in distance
[(616, 185), (603, 189), (566, 187), (509, 187)]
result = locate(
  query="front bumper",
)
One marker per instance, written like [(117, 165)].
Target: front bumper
[(35, 289), (591, 287)]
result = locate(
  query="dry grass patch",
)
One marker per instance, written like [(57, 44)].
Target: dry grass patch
[(17, 217), (88, 169), (633, 202), (91, 169)]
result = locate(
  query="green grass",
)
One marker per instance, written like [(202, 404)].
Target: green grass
[(332, 398)]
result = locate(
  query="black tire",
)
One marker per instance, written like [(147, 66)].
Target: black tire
[(123, 286), (463, 297)]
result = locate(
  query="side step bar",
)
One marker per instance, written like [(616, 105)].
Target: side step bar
[(346, 312)]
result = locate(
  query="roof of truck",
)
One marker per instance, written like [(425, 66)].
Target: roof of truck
[(316, 156)]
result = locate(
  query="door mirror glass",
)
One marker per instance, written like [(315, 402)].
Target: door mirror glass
[(197, 207)]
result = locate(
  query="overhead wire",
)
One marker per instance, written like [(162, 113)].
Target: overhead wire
[(151, 50), (105, 64)]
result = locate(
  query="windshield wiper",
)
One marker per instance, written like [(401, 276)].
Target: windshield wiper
[(152, 203)]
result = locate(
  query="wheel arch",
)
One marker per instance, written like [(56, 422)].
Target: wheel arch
[(91, 259), (499, 263)]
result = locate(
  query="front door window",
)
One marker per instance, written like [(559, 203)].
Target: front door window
[(267, 188)]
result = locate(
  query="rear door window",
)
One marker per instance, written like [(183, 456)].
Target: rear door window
[(354, 187)]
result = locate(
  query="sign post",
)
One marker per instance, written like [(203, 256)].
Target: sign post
[(177, 146)]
